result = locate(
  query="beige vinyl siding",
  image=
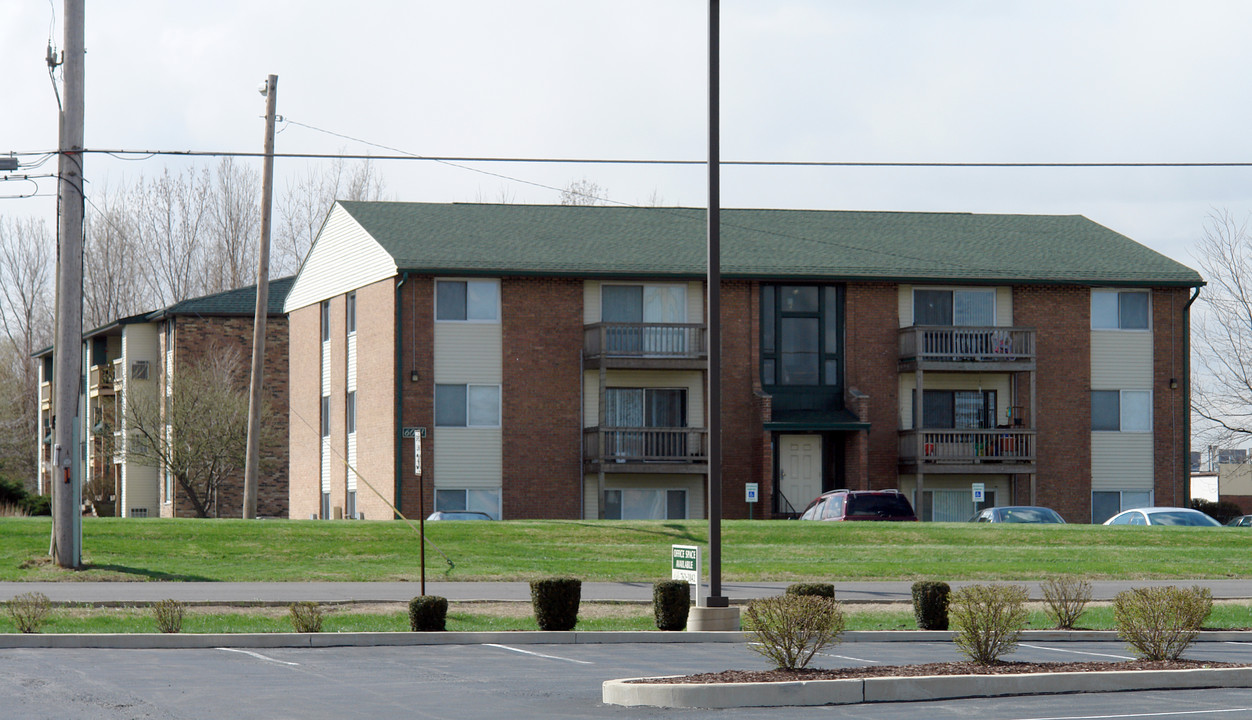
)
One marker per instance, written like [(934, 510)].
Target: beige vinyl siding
[(468, 353), (344, 257), (1003, 302), (468, 457), (140, 483), (1121, 461), (693, 484), (1121, 360), (592, 309), (351, 362), (352, 462), (692, 380), (326, 459), (1000, 382)]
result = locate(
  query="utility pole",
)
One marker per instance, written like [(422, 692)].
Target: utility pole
[(67, 514), (715, 598), (252, 461)]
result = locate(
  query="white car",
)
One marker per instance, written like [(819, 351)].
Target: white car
[(1163, 516)]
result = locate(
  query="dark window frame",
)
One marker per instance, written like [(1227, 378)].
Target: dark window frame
[(829, 312)]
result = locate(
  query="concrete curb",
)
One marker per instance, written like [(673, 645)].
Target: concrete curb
[(159, 641), (907, 689)]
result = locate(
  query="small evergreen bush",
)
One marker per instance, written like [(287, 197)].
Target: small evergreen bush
[(930, 604), (29, 611), (306, 617), (1159, 623), (555, 601), (169, 616), (989, 620), (826, 590), (671, 603), (1065, 599), (428, 613), (791, 629), (1221, 511)]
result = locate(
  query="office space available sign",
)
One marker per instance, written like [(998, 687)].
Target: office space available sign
[(685, 563)]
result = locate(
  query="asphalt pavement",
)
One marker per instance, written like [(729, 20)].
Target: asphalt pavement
[(130, 593)]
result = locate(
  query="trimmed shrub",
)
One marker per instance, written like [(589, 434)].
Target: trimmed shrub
[(555, 601), (1159, 623), (826, 590), (671, 603), (791, 629), (1065, 599), (988, 620), (1221, 511), (306, 617), (29, 611), (428, 613), (930, 604), (169, 616)]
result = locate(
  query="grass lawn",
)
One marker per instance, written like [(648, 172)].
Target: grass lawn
[(300, 550)]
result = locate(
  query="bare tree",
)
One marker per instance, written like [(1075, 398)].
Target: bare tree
[(172, 218), (1222, 351), (199, 435), (112, 259), (305, 203), (236, 227), (584, 192)]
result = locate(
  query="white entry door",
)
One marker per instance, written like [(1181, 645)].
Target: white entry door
[(799, 471)]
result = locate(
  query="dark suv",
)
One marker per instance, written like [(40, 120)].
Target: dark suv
[(860, 505)]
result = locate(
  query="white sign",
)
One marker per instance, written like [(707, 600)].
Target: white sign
[(980, 494), (685, 564), (417, 455), (751, 492)]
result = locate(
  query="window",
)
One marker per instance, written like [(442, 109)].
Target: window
[(962, 308), (965, 409), (645, 407), (467, 300), (1106, 504), (645, 504), (953, 505), (325, 506), (476, 500), (349, 505), (1119, 310), (325, 416), (326, 321), (640, 305), (467, 405), (351, 412), (1121, 410), (801, 335), (139, 370), (351, 312)]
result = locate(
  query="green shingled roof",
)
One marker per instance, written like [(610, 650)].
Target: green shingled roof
[(847, 245), (241, 301)]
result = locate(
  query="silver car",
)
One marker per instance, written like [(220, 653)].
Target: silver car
[(1018, 514), (1163, 516)]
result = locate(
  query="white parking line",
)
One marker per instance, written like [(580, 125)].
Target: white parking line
[(1175, 713), (528, 652), (1076, 652), (845, 657), (258, 656)]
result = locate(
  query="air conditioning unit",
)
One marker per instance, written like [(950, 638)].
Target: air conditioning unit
[(139, 370)]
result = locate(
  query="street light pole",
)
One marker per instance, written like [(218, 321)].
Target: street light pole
[(252, 459), (715, 599)]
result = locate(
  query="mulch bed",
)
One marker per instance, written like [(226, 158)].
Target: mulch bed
[(949, 668)]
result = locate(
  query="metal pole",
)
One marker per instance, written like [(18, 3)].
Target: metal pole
[(252, 461), (715, 599), (68, 350)]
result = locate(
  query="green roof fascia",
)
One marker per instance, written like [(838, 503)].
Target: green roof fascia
[(818, 425)]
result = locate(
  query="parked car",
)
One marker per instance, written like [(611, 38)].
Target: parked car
[(1241, 521), (1018, 514), (860, 505), (1162, 516), (457, 515)]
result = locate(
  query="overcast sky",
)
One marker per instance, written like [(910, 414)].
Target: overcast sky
[(802, 80)]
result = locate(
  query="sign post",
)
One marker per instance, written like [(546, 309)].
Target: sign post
[(980, 495), (417, 433), (685, 565)]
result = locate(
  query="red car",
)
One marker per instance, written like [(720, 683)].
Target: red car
[(860, 505)]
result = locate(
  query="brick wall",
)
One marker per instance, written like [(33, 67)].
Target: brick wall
[(417, 353), (194, 337), (1061, 317), (743, 439), (871, 352), (542, 334), (376, 430), (1169, 407), (304, 377)]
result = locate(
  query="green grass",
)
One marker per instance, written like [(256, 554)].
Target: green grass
[(300, 550)]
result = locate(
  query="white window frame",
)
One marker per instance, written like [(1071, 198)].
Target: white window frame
[(492, 283), (469, 404), (1123, 410), (1096, 319)]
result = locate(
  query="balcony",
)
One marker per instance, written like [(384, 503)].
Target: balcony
[(661, 346), (968, 451), (978, 349), (100, 381), (45, 396), (646, 450)]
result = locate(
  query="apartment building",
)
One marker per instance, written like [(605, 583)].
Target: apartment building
[(551, 362), (143, 353)]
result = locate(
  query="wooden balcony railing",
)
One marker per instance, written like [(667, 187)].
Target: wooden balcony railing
[(101, 379), (967, 446), (655, 340), (660, 445), (967, 344)]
